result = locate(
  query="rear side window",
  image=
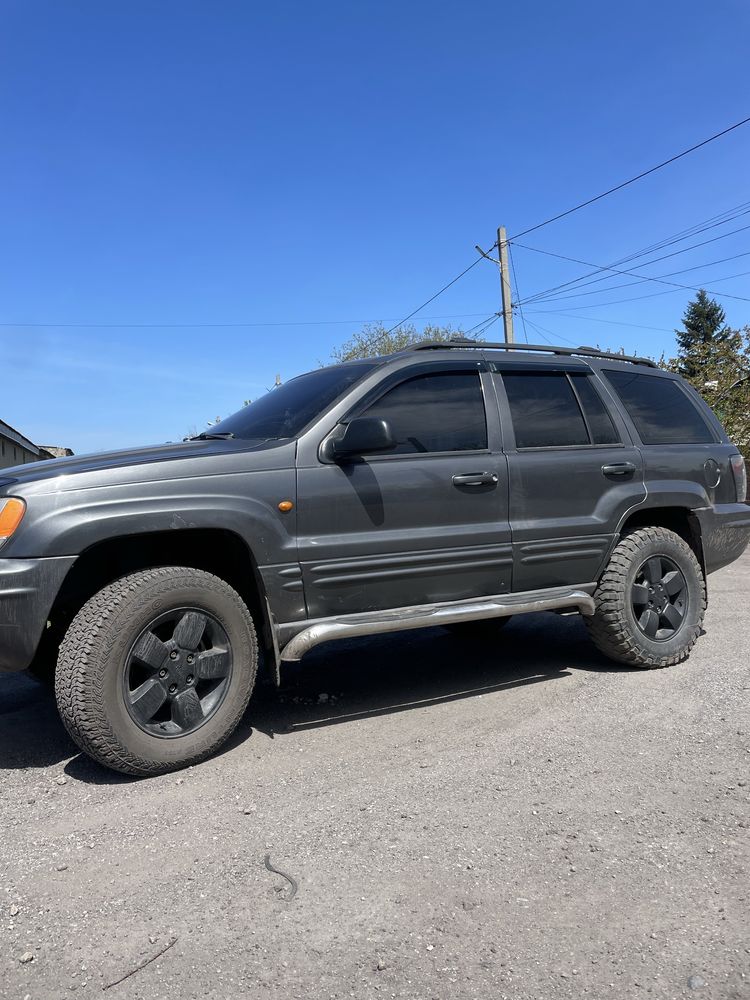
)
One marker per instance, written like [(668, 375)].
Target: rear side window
[(557, 410), (545, 410), (436, 412), (661, 411)]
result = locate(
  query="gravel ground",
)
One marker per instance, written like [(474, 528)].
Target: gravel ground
[(465, 818)]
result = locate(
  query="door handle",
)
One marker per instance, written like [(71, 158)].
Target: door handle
[(618, 469), (475, 479)]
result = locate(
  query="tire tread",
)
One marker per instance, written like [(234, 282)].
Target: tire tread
[(608, 627), (79, 685)]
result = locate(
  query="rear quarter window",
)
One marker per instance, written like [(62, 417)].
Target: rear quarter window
[(661, 410)]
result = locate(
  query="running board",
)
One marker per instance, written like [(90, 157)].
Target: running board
[(428, 615)]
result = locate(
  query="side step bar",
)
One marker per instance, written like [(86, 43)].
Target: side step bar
[(427, 615)]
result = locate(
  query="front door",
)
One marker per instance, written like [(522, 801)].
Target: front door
[(574, 472), (425, 522)]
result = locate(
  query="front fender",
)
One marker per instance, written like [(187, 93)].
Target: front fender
[(67, 522)]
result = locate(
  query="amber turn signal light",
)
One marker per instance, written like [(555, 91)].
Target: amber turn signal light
[(285, 506), (11, 515)]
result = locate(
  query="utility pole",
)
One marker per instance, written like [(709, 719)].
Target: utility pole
[(502, 243)]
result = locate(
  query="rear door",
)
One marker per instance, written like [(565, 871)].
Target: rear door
[(574, 471), (685, 449), (426, 522)]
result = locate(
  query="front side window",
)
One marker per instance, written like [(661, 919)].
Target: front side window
[(661, 411), (435, 412)]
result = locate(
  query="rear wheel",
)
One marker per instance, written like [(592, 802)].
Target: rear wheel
[(650, 601), (156, 670)]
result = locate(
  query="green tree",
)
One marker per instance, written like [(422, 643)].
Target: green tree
[(718, 366), (703, 322), (374, 339)]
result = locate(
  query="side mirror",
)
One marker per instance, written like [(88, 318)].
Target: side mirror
[(363, 435)]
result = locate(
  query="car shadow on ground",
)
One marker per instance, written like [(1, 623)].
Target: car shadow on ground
[(336, 684), (362, 678)]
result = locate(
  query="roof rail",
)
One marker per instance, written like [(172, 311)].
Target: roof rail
[(480, 345)]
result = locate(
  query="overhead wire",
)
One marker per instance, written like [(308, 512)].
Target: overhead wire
[(720, 219), (572, 294), (671, 291), (570, 211), (634, 274), (484, 324), (539, 331), (632, 180), (518, 296), (217, 326), (598, 319), (543, 330), (444, 288), (602, 269), (485, 328), (433, 297)]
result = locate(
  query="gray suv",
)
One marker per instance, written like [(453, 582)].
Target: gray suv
[(448, 484)]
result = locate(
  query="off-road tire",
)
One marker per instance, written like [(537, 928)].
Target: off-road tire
[(92, 657), (614, 628)]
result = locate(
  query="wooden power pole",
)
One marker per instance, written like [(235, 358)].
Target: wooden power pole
[(502, 243)]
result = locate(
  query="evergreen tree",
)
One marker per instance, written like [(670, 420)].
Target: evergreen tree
[(704, 323), (716, 359)]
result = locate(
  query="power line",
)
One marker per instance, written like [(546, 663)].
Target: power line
[(485, 324), (640, 281), (518, 296), (632, 180), (721, 219), (599, 269), (543, 329), (575, 208), (707, 224), (594, 319), (614, 270), (671, 291), (433, 297), (531, 229), (539, 331), (218, 326), (570, 211)]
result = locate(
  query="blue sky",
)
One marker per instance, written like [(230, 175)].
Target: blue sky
[(293, 163)]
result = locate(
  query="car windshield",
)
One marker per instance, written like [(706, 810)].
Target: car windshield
[(286, 410)]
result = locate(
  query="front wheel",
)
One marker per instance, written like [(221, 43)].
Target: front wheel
[(650, 601), (156, 670)]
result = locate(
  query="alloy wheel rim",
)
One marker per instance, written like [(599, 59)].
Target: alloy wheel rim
[(659, 598), (177, 673)]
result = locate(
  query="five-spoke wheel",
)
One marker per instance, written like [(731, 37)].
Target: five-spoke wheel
[(650, 600), (659, 598), (157, 669), (178, 672)]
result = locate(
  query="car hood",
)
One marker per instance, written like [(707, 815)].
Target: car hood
[(112, 460)]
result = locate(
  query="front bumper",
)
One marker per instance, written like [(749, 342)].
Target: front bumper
[(725, 533), (28, 588)]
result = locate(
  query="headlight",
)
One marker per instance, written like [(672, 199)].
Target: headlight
[(11, 514)]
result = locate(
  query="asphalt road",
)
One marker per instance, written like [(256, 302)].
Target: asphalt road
[(465, 819)]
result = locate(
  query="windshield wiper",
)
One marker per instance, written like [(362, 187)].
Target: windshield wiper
[(212, 436)]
